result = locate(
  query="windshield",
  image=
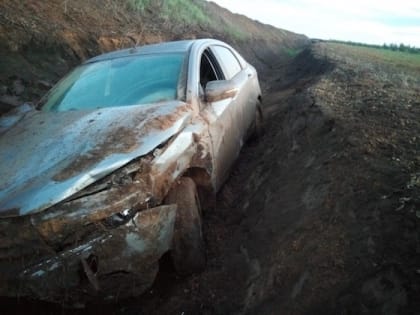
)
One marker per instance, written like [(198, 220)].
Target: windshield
[(124, 81)]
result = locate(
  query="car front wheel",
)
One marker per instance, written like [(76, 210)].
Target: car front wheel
[(188, 250), (259, 121), (257, 129)]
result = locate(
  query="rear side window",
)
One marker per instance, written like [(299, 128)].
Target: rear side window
[(227, 60)]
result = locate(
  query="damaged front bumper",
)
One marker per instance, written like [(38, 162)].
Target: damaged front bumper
[(103, 242), (114, 262)]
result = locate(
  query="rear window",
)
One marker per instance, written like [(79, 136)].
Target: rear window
[(227, 60), (124, 81)]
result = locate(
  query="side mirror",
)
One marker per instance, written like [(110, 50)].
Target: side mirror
[(220, 90)]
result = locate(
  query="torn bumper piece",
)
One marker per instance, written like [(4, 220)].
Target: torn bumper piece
[(118, 263)]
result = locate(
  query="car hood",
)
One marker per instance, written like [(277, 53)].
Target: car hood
[(49, 156)]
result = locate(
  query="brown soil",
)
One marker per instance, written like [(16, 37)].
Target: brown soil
[(321, 215)]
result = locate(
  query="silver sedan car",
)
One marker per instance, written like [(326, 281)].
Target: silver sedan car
[(107, 173)]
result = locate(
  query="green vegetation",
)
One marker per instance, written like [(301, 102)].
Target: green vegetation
[(292, 52), (402, 56), (235, 33), (181, 11), (402, 47), (139, 5), (396, 58), (394, 47), (186, 13)]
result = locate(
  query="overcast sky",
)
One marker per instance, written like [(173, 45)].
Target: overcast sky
[(366, 21)]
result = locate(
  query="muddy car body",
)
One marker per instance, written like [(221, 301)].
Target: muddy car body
[(95, 183)]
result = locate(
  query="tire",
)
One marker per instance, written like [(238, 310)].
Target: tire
[(258, 126), (188, 250), (259, 121)]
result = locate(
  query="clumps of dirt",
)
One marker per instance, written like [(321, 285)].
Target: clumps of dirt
[(375, 103)]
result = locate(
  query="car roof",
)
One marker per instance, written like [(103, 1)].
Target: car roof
[(181, 46)]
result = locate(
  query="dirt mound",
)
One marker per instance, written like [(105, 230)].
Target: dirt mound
[(42, 40)]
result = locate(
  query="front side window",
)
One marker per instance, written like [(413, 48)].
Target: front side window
[(227, 60), (124, 81), (209, 70)]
